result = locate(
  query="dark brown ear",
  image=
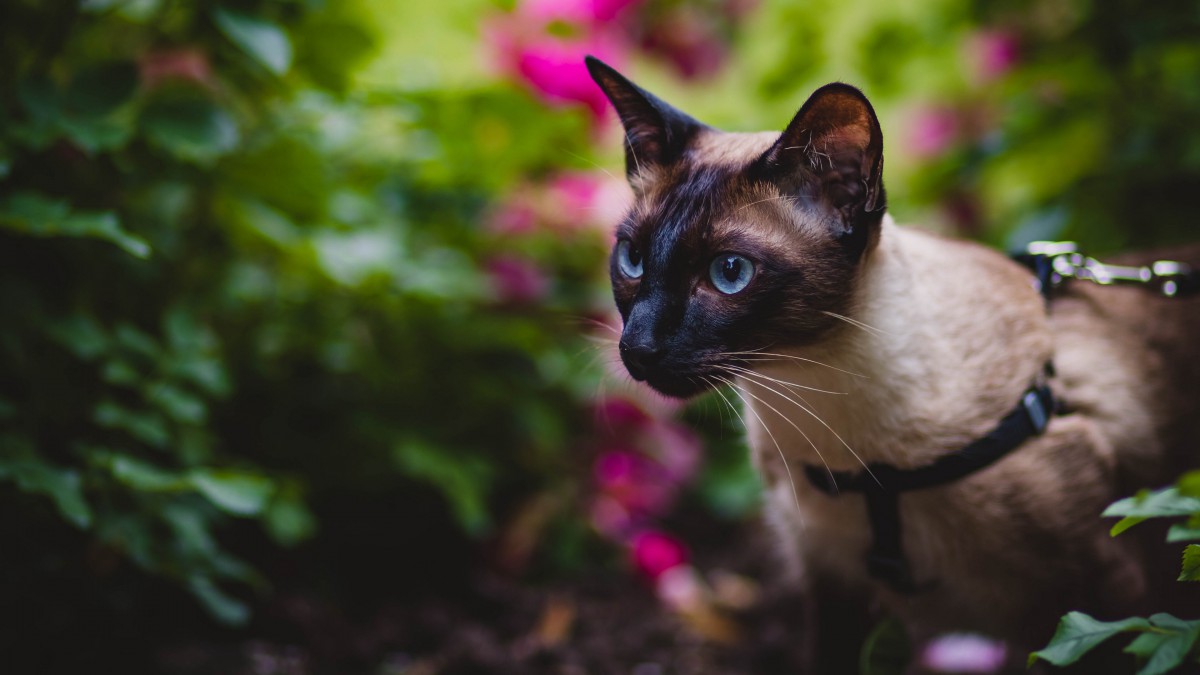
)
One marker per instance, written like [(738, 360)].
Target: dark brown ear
[(832, 153), (655, 132)]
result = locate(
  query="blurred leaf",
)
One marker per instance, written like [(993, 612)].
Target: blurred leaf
[(141, 476), (34, 214), (287, 520), (148, 427), (237, 493), (223, 607), (82, 335), (179, 405), (462, 480), (887, 650), (191, 128), (63, 486), (266, 42)]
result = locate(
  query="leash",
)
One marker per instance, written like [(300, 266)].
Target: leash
[(1052, 264)]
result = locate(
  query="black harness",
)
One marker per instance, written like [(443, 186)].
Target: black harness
[(1052, 263)]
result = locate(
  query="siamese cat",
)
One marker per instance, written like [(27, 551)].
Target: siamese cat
[(766, 262)]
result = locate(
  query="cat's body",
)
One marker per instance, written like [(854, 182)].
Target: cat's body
[(765, 262)]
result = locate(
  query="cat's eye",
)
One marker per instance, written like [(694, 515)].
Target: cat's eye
[(731, 272), (629, 259)]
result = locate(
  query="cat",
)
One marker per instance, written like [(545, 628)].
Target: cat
[(767, 263)]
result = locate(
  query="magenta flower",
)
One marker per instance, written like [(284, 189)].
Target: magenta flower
[(993, 53), (637, 483), (556, 71), (656, 552), (964, 653), (517, 280), (932, 131)]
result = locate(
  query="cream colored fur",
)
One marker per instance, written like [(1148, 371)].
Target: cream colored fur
[(949, 335)]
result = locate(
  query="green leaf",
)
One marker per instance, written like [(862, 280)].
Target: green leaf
[(145, 477), (180, 405), (287, 520), (463, 481), (1189, 484), (1191, 563), (1166, 503), (1184, 531), (1166, 647), (99, 90), (191, 128), (237, 493), (63, 486), (264, 41), (148, 427), (1078, 633), (886, 651), (36, 215), (223, 607)]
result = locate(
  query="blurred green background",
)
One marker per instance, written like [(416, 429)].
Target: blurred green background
[(303, 294)]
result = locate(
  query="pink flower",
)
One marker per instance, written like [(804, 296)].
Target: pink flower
[(637, 483), (964, 653), (556, 71), (619, 415), (932, 131), (689, 39), (517, 280), (191, 64), (610, 518), (993, 53), (575, 11), (656, 552), (676, 448)]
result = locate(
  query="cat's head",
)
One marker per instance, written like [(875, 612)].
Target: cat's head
[(738, 242)]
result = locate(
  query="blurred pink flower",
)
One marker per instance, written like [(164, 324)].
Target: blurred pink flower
[(517, 279), (575, 11), (619, 415), (690, 40), (543, 43), (676, 448), (192, 64), (610, 518), (993, 53), (514, 216), (656, 552), (964, 653), (555, 69), (932, 131), (636, 482), (680, 588)]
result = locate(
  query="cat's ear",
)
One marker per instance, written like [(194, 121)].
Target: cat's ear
[(832, 152), (655, 133)]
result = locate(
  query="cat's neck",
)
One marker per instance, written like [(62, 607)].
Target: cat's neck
[(942, 339)]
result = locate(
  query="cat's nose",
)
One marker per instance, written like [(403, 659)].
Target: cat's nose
[(639, 357)]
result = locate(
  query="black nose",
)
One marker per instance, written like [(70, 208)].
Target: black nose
[(639, 357)]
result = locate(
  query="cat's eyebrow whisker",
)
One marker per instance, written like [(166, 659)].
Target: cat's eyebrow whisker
[(590, 161), (858, 324), (812, 413), (792, 357), (782, 458), (760, 201), (790, 385)]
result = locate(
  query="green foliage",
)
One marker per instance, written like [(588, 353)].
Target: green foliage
[(237, 288), (1165, 642)]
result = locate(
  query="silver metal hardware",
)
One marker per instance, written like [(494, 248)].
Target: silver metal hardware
[(1068, 263)]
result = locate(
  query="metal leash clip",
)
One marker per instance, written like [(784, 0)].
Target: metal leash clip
[(1055, 261)]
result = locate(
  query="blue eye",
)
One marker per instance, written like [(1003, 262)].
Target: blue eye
[(629, 259), (730, 272)]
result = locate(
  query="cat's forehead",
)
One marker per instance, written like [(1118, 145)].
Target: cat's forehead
[(707, 193)]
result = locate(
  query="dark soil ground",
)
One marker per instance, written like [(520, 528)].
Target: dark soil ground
[(605, 623)]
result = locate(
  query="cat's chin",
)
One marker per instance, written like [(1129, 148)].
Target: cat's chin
[(681, 388)]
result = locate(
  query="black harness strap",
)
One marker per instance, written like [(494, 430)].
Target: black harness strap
[(882, 484)]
